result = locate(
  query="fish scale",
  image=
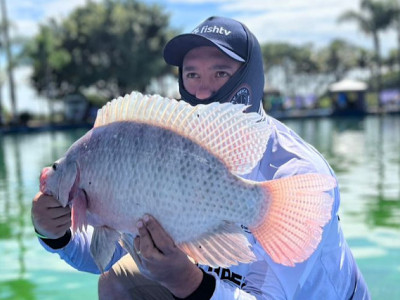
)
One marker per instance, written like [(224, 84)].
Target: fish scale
[(179, 163), (169, 181)]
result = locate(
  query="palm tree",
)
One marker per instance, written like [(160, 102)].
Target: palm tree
[(396, 25), (374, 17), (7, 47)]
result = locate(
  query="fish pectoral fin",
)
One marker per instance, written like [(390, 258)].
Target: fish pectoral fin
[(79, 206), (225, 247), (102, 246), (127, 242)]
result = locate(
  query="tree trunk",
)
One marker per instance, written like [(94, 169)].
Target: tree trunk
[(377, 47), (9, 61), (1, 101), (398, 40)]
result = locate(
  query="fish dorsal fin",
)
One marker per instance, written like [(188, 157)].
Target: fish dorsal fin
[(239, 139), (225, 247)]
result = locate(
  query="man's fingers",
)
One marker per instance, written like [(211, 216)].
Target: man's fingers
[(62, 221), (136, 243), (160, 237), (145, 245), (46, 200), (60, 212), (65, 224)]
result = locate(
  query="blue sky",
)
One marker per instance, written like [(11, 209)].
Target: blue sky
[(292, 21)]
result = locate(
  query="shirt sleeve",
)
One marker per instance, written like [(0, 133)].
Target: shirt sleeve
[(77, 252)]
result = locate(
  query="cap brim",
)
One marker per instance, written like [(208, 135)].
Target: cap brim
[(176, 49)]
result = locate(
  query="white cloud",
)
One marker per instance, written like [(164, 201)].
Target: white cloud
[(26, 15), (197, 1), (273, 5), (297, 21)]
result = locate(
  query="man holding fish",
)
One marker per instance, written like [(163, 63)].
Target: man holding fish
[(297, 246)]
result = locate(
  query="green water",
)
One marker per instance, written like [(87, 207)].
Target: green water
[(365, 153)]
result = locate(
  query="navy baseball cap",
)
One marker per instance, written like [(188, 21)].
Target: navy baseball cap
[(234, 39), (226, 34)]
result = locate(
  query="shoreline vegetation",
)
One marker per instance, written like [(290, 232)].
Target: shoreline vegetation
[(282, 115)]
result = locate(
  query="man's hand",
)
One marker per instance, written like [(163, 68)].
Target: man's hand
[(48, 217), (163, 261)]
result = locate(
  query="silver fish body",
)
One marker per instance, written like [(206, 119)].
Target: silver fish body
[(128, 169)]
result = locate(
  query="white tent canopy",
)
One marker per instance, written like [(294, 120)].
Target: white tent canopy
[(348, 85)]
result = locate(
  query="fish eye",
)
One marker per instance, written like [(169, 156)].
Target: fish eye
[(54, 166)]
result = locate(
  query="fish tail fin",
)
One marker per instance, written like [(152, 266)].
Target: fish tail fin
[(298, 208)]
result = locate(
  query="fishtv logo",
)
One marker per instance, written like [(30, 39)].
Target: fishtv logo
[(212, 29)]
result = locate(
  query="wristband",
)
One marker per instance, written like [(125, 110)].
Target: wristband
[(56, 243), (40, 235)]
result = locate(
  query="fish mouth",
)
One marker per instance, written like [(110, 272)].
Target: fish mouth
[(43, 180)]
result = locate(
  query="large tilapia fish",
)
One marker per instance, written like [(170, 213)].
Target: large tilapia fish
[(179, 163)]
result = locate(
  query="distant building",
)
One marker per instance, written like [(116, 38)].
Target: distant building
[(76, 107), (273, 100), (390, 98), (348, 97)]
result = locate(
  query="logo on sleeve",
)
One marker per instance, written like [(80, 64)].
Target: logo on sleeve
[(242, 96)]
